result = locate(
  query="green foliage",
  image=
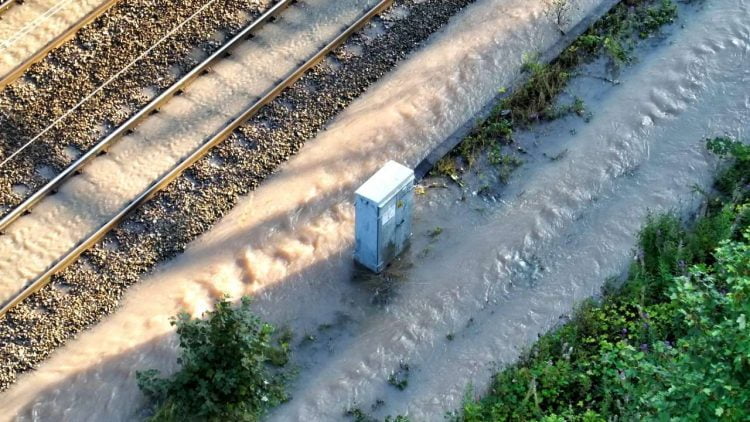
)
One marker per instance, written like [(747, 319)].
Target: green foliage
[(615, 50), (531, 100), (733, 181), (447, 167), (577, 107), (226, 368), (437, 231), (727, 147), (359, 415), (671, 344), (656, 17), (505, 163), (704, 376)]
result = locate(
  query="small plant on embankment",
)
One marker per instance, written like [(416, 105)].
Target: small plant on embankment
[(671, 343), (229, 368), (613, 36), (559, 11)]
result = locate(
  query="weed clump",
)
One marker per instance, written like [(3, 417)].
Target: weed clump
[(356, 414), (434, 233), (400, 378)]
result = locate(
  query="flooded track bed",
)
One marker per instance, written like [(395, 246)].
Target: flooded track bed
[(96, 81), (92, 287), (520, 258)]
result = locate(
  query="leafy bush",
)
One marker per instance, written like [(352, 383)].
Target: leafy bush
[(672, 342), (227, 370), (705, 375)]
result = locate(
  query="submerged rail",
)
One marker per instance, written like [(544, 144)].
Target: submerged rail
[(19, 70), (50, 187), (43, 279)]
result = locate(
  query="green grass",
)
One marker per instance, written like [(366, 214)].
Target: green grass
[(671, 342), (356, 414)]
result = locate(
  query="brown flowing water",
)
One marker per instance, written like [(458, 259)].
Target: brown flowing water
[(498, 275)]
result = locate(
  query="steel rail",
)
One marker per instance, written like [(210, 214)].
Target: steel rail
[(104, 85), (50, 187), (43, 279), (17, 71), (6, 4)]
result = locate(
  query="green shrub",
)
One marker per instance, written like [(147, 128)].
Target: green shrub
[(656, 17), (671, 343), (705, 375), (226, 372), (733, 182)]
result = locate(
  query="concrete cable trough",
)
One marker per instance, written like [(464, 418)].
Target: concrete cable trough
[(41, 280)]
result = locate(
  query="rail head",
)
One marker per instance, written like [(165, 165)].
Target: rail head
[(101, 146), (42, 280), (6, 4)]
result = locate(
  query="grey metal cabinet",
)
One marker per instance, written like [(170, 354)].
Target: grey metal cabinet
[(383, 207)]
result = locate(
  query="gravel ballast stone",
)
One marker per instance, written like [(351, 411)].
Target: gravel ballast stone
[(92, 287)]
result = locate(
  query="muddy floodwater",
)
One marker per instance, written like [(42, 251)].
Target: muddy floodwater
[(500, 272)]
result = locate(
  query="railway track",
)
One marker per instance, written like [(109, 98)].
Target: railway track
[(92, 287), (14, 73), (159, 184), (69, 104), (152, 107)]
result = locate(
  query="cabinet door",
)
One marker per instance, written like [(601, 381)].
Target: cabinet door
[(366, 226), (388, 246), (404, 205)]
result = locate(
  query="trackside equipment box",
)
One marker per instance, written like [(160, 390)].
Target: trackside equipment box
[(383, 207)]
